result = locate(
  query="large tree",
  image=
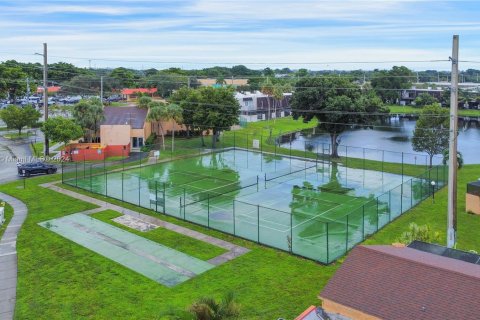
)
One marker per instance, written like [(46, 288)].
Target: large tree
[(431, 131), (189, 100), (425, 99), (89, 115), (12, 82), (166, 82), (18, 118), (158, 112), (218, 110), (125, 77), (337, 103), (61, 130), (388, 84)]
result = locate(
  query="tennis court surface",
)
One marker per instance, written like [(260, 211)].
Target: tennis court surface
[(316, 209), (153, 260)]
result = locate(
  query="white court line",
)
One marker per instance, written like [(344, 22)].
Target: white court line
[(320, 214)]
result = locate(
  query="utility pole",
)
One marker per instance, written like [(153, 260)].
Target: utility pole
[(452, 153), (28, 91), (101, 89), (45, 96), (188, 80)]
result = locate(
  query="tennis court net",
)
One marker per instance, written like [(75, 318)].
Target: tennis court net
[(219, 191)]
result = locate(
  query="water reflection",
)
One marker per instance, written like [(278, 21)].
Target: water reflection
[(394, 136)]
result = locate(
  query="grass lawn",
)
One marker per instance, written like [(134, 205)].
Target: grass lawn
[(413, 110), (17, 136), (8, 216), (179, 242), (61, 280), (37, 149)]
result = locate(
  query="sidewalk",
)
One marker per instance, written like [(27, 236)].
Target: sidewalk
[(8, 257)]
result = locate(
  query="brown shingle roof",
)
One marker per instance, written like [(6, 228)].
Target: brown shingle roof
[(404, 283), (125, 115)]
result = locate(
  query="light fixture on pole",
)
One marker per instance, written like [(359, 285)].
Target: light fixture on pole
[(433, 190)]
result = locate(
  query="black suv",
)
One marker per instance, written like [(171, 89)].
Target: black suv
[(27, 169)]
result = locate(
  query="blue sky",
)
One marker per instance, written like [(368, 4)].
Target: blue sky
[(198, 33)]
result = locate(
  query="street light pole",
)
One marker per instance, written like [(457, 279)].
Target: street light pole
[(452, 152), (45, 97)]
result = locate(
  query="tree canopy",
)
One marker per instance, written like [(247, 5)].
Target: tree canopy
[(61, 130), (337, 103), (18, 117), (89, 115), (431, 131), (425, 99), (388, 84)]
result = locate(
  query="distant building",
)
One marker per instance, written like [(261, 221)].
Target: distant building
[(211, 82), (130, 94), (258, 106), (421, 281), (125, 126), (409, 95), (53, 89)]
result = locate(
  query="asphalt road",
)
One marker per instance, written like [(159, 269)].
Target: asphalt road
[(10, 150)]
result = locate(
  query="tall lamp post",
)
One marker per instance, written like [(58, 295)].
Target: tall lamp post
[(45, 95)]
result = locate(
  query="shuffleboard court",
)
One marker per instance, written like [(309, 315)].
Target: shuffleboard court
[(153, 260)]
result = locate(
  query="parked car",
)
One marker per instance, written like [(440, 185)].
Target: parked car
[(27, 169)]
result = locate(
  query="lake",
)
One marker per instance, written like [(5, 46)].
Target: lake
[(393, 136)]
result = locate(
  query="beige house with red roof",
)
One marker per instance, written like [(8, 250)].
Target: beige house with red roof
[(131, 94)]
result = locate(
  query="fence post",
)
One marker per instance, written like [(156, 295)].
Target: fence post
[(76, 174), (164, 199), (346, 236), (62, 171), (346, 156), (258, 223), (378, 216), (234, 141), (122, 186), (411, 193), (291, 232), (390, 205), (363, 222), (328, 253), (383, 159), (156, 196), (363, 160), (208, 210), (261, 152), (184, 205), (106, 184), (234, 216), (139, 188), (402, 167)]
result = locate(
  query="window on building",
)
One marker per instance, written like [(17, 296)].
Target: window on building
[(137, 142)]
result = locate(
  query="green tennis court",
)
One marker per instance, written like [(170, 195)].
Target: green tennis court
[(313, 208), (153, 260)]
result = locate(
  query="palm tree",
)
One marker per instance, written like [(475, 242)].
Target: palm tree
[(157, 112), (89, 115), (220, 81), (277, 97), (174, 113), (459, 158), (209, 309), (144, 101), (267, 89)]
